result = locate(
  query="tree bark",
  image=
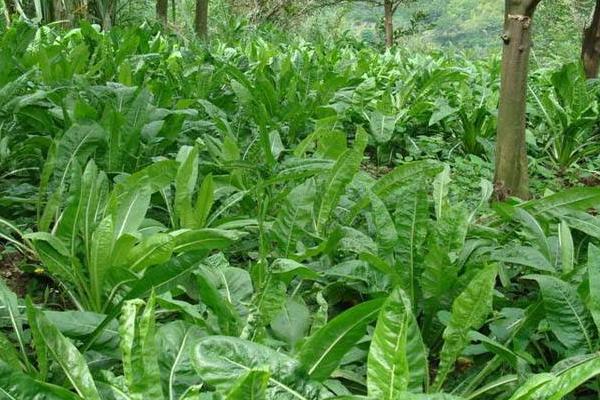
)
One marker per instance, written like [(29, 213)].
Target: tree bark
[(201, 21), (106, 22), (590, 49), (9, 11), (388, 21), (510, 175), (109, 17), (162, 9), (59, 13)]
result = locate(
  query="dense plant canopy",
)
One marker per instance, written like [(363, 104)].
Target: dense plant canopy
[(257, 216)]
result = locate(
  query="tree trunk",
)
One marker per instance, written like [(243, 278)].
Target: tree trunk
[(510, 176), (173, 11), (106, 22), (388, 21), (162, 8), (590, 49), (108, 15), (201, 21), (58, 11), (9, 11)]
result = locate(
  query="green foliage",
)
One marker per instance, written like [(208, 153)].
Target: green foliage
[(255, 219), (397, 356)]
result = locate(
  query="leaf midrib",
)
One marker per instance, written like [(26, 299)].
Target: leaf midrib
[(339, 337)]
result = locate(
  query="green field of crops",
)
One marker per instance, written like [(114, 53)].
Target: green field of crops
[(292, 211)]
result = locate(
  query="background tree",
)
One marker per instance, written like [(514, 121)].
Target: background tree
[(9, 10), (162, 8), (510, 175), (590, 49), (389, 10), (201, 19), (283, 12)]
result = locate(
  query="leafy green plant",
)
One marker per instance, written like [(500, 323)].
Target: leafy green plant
[(569, 112), (287, 220)]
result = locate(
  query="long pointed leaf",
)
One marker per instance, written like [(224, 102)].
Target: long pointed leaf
[(322, 352)]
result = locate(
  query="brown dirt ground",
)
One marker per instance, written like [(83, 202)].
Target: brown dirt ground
[(10, 272)]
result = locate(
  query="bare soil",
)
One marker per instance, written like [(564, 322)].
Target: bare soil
[(15, 278)]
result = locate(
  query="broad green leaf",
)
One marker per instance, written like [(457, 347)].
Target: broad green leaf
[(529, 387), (221, 360), (76, 144), (204, 201), (159, 279), (153, 178), (534, 228), (9, 354), (581, 221), (382, 126), (122, 247), (76, 325), (320, 317), (250, 386), (569, 379), (287, 269), (78, 202), (567, 316), (203, 239), (226, 205), (442, 111), (429, 396), (291, 323), (227, 315), (185, 183), (397, 357), (93, 202), (440, 191), (234, 284), (16, 385), (37, 340), (355, 241), (66, 355), (594, 282), (295, 216), (9, 301), (494, 346), (100, 256), (187, 310), (338, 178), (351, 397), (176, 340), (382, 266), (56, 243), (298, 169), (440, 272), (361, 275), (412, 171), (266, 302), (580, 198), (139, 350), (494, 386), (469, 311), (129, 212), (411, 218), (555, 386), (523, 255), (322, 127), (567, 251), (322, 352), (385, 231), (152, 250)]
